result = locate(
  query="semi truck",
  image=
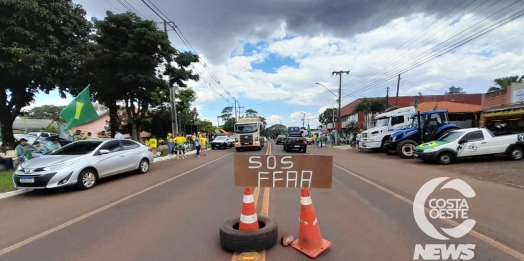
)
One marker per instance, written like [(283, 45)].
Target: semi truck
[(248, 133), (387, 123)]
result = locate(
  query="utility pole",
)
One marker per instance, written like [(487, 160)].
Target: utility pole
[(333, 116), (218, 121), (387, 97), (174, 121), (398, 85), (339, 73), (236, 117), (303, 119), (240, 111)]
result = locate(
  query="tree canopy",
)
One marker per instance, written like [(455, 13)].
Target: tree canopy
[(43, 45), (501, 84), (455, 90)]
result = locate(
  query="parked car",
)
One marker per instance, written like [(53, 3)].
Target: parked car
[(295, 140), (231, 141), (220, 142), (281, 139), (309, 140), (470, 143), (42, 134), (83, 163)]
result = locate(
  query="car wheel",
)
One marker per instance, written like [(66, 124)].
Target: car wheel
[(445, 158), (244, 241), (515, 153), (143, 167), (304, 150), (87, 179)]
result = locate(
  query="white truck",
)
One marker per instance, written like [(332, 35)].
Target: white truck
[(470, 142), (248, 133), (387, 123)]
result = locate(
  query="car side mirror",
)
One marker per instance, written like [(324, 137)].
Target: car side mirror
[(463, 141), (102, 152)]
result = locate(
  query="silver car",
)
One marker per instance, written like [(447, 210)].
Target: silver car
[(82, 163)]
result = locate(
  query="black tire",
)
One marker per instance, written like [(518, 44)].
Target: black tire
[(87, 179), (238, 149), (245, 241), (387, 148), (445, 158), (304, 150), (259, 148), (406, 148), (515, 153), (143, 167)]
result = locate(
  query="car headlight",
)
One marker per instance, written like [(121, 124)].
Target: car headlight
[(429, 150), (19, 167), (60, 166)]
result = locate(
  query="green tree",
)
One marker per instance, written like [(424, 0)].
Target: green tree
[(42, 45), (501, 84), (125, 53), (229, 125), (226, 113), (45, 112), (186, 116), (455, 90), (205, 126), (263, 120), (327, 116), (52, 128), (276, 129), (250, 112)]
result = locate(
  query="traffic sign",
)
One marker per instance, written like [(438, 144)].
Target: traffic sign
[(284, 171)]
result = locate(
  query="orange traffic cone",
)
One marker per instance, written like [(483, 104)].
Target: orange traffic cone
[(310, 241), (248, 217)]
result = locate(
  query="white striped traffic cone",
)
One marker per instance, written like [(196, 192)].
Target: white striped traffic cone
[(248, 217)]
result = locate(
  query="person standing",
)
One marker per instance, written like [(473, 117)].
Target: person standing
[(77, 136), (358, 139), (179, 146), (203, 143), (197, 146), (153, 144), (88, 136), (119, 135), (170, 143)]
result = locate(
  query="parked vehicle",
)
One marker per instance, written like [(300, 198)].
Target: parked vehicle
[(248, 133), (470, 143), (309, 140), (280, 139), (295, 140), (83, 163), (220, 142), (42, 134), (231, 141), (426, 126), (387, 123)]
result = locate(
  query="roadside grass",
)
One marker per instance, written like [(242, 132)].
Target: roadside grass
[(6, 183)]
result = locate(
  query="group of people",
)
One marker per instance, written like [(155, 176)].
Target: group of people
[(353, 139), (178, 144), (25, 150)]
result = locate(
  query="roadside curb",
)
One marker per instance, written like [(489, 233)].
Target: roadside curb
[(156, 160)]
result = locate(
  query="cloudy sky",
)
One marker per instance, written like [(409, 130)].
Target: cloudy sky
[(269, 54)]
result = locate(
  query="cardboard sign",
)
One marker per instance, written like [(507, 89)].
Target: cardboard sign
[(284, 171)]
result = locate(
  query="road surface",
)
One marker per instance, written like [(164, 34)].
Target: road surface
[(174, 212)]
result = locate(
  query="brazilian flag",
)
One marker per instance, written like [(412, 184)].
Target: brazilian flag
[(308, 130), (415, 103), (28, 155), (80, 110)]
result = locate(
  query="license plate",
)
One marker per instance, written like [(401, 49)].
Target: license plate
[(246, 143), (415, 155), (297, 146), (27, 180)]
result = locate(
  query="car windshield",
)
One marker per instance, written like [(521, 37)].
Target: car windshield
[(414, 123), (220, 138), (381, 122), (451, 136), (246, 128), (78, 148), (281, 136), (30, 138)]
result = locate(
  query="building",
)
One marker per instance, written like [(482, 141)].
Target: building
[(464, 100), (100, 125)]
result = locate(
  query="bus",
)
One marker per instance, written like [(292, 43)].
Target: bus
[(248, 133)]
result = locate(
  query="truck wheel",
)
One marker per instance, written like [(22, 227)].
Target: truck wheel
[(445, 158), (515, 153), (388, 149), (244, 241), (406, 148), (238, 149), (259, 148)]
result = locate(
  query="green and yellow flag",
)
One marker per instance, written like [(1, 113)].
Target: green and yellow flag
[(308, 130), (28, 155), (415, 103), (436, 106), (79, 111)]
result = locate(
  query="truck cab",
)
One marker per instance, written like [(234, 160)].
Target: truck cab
[(387, 123), (295, 140)]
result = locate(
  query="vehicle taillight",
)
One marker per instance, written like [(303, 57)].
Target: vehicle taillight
[(289, 141), (305, 142)]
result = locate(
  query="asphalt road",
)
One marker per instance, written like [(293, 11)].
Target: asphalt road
[(174, 212)]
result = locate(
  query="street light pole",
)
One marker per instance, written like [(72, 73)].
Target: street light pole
[(339, 73)]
